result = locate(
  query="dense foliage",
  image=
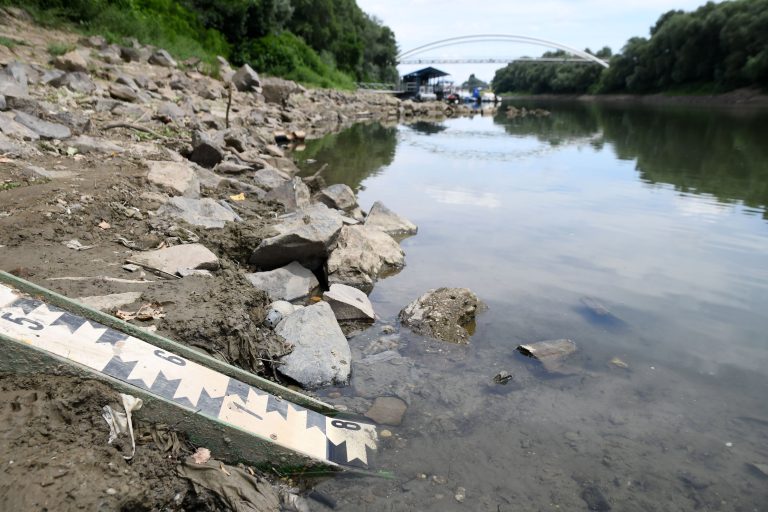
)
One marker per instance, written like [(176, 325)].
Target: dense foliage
[(717, 47), (330, 43)]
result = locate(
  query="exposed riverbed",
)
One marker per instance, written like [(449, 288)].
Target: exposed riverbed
[(656, 215)]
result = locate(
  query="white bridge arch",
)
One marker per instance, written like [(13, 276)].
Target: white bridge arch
[(482, 38)]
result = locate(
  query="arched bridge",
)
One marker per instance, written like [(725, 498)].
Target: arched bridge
[(408, 57)]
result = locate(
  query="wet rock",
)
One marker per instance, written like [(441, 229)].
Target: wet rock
[(387, 410), (162, 58), (445, 313), (246, 79), (85, 144), (205, 213), (349, 304), (304, 236), (76, 82), (179, 257), (321, 354), (385, 373), (277, 90), (388, 221), (759, 469), (290, 282), (44, 129), (362, 254), (338, 196), (174, 177), (291, 194), (71, 61), (269, 178), (110, 302), (206, 151), (550, 353), (594, 498)]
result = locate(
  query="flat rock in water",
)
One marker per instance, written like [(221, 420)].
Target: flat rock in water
[(110, 302), (551, 353), (44, 129), (291, 194), (388, 221), (447, 314), (321, 354), (361, 254), (290, 282), (349, 303), (179, 257), (205, 213), (304, 236), (174, 177), (339, 196), (86, 144), (387, 410)]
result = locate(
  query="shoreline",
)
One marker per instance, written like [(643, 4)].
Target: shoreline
[(737, 98)]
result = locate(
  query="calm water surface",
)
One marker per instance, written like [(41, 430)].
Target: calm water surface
[(660, 215)]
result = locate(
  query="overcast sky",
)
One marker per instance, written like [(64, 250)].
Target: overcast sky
[(575, 23)]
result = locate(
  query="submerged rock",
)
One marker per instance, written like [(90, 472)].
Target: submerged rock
[(321, 354), (445, 313), (290, 282), (362, 254), (387, 410), (550, 353), (386, 220)]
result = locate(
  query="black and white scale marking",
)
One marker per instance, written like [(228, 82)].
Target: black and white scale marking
[(188, 384)]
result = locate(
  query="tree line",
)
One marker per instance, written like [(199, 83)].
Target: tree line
[(716, 48)]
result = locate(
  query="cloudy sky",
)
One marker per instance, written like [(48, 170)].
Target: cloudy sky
[(575, 23)]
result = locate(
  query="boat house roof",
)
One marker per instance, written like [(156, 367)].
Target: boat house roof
[(424, 74)]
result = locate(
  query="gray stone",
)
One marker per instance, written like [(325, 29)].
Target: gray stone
[(349, 304), (44, 129), (162, 58), (110, 55), (246, 79), (76, 81), (206, 151), (86, 144), (228, 167), (321, 354), (16, 130), (3, 104), (23, 73), (110, 302), (122, 92), (179, 257), (387, 410), (291, 282), (291, 194), (304, 236), (362, 254), (11, 88), (339, 196), (388, 221), (169, 112), (10, 147), (97, 42), (206, 212), (277, 90), (127, 80), (278, 310), (130, 54), (444, 313), (174, 177), (269, 178), (71, 61)]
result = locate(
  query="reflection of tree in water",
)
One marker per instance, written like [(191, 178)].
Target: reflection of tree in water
[(352, 155), (696, 151), (427, 127)]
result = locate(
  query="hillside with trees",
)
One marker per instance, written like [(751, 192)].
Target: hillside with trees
[(716, 48)]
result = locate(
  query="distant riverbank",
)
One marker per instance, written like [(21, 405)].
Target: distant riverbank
[(739, 97)]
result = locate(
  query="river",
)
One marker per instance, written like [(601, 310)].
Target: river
[(657, 214)]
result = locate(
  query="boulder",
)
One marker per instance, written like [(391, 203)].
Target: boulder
[(162, 58), (71, 61), (44, 129), (179, 257), (291, 194), (130, 54), (86, 144), (127, 80), (205, 213), (277, 90), (174, 177), (387, 410), (361, 254), (16, 130), (9, 147), (388, 221), (304, 236), (349, 304), (205, 151), (291, 282), (321, 354), (76, 81), (11, 88), (122, 92), (246, 79), (338, 196), (447, 314), (169, 112), (110, 302), (269, 178)]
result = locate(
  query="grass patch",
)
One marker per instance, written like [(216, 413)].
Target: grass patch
[(57, 48), (10, 185), (10, 42)]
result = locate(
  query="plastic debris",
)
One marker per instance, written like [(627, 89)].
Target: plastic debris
[(238, 197), (145, 313), (120, 422), (77, 246), (201, 456)]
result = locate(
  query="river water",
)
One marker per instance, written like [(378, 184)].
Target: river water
[(659, 215)]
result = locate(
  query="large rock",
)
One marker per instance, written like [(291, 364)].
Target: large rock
[(205, 213), (171, 260), (76, 82), (162, 58), (349, 304), (321, 354), (86, 144), (277, 90), (44, 129), (169, 112), (361, 254), (246, 79), (269, 178), (71, 61), (388, 221), (447, 314), (16, 130), (123, 92), (11, 87), (291, 282), (304, 236), (339, 196), (291, 194), (205, 151), (174, 177)]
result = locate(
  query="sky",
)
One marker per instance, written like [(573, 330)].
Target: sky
[(575, 23)]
